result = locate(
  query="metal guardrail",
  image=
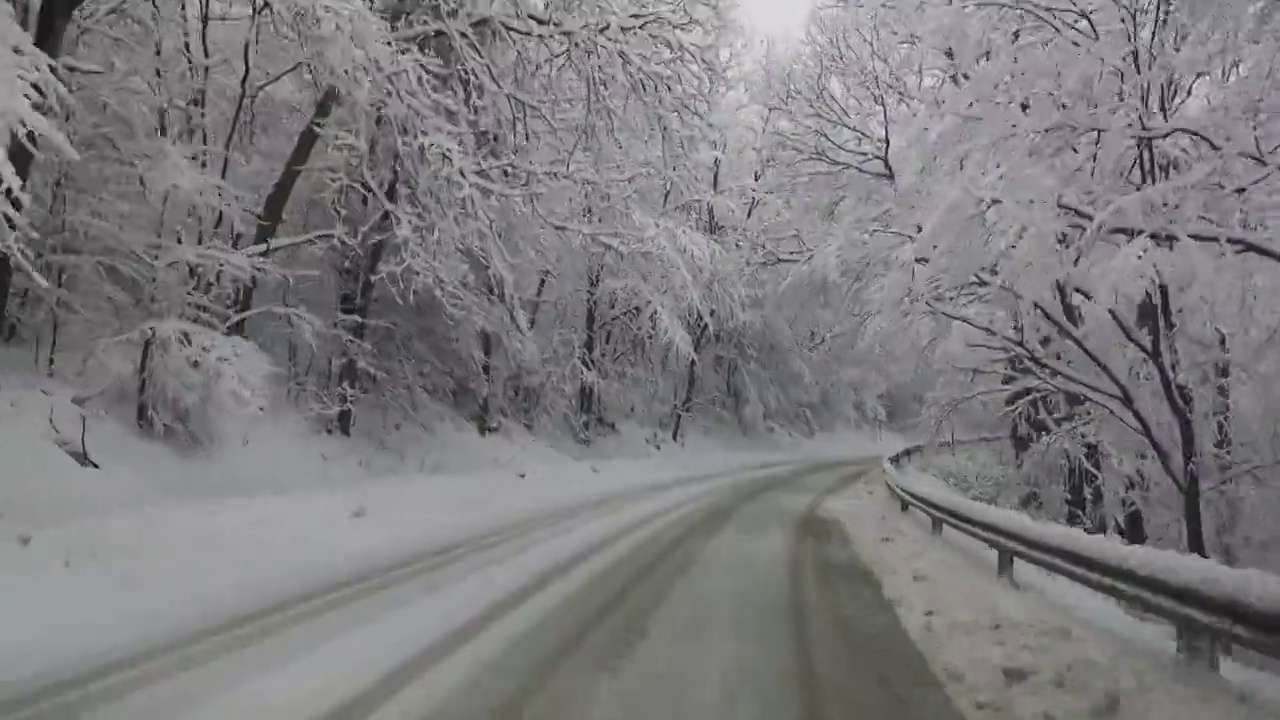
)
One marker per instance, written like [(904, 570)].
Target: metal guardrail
[(1205, 622)]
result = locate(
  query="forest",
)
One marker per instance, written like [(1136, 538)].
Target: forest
[(1049, 220)]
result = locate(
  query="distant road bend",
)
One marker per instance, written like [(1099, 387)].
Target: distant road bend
[(723, 597)]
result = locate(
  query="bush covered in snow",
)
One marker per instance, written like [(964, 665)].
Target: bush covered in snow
[(186, 382), (978, 474)]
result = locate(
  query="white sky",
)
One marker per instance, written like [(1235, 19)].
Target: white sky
[(776, 18)]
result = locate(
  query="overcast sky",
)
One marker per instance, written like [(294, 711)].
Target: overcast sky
[(776, 18)]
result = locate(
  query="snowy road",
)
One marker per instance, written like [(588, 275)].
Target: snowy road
[(724, 598), (752, 608)]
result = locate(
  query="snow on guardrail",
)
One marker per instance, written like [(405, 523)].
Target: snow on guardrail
[(1208, 602)]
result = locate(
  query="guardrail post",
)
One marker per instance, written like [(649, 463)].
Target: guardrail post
[(1004, 564), (935, 525), (1197, 647), (905, 505)]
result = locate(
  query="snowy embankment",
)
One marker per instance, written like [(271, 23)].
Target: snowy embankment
[(153, 543), (1048, 648)]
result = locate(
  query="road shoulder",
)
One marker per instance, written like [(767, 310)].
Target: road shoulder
[(1006, 653), (860, 661)]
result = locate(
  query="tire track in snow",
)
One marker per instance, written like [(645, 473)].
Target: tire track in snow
[(750, 605), (550, 668)]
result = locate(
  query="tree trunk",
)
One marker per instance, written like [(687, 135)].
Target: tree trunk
[(1085, 499), (588, 402), (691, 379), (486, 376), (1084, 491), (353, 310), (1096, 511), (52, 357), (525, 397), (1192, 518), (1134, 524), (1076, 502), (1131, 526), (142, 410), (1223, 441), (686, 404), (273, 207), (8, 328), (1156, 318), (700, 326)]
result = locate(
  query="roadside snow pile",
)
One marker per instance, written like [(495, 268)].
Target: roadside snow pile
[(1006, 652), (1248, 589), (42, 484)]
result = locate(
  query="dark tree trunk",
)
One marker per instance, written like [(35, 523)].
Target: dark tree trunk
[(1155, 317), (537, 299), (691, 380), (1076, 503), (8, 328), (686, 404), (486, 376), (700, 326), (526, 398), (733, 382), (1132, 527), (52, 357), (1135, 524), (273, 207), (353, 310), (1193, 519), (1096, 511), (1084, 491), (1030, 423), (1223, 441), (1084, 473), (588, 402), (142, 410)]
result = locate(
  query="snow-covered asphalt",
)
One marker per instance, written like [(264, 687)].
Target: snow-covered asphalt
[(727, 598), (754, 607)]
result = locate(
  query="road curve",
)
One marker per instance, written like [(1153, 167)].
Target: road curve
[(753, 607), (714, 597)]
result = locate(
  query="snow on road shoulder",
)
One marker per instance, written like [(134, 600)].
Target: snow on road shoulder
[(1012, 653)]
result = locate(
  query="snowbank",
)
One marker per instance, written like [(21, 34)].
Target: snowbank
[(1006, 652), (42, 486)]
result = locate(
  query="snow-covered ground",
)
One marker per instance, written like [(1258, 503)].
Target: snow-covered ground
[(1047, 649), (156, 542)]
